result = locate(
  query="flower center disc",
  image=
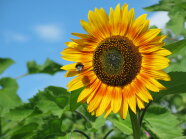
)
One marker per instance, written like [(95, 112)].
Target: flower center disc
[(116, 61)]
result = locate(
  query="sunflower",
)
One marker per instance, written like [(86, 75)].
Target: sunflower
[(117, 61)]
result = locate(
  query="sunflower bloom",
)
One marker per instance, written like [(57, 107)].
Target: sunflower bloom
[(117, 61)]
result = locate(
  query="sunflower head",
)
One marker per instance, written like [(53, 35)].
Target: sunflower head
[(117, 61)]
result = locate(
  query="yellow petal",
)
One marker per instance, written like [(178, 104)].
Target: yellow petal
[(157, 74), (86, 92), (132, 103), (162, 52), (124, 20), (108, 111), (116, 99), (147, 37), (81, 81), (154, 62), (140, 103), (105, 101), (71, 73), (69, 67), (81, 35), (94, 103), (124, 109), (139, 26), (71, 44), (145, 80)]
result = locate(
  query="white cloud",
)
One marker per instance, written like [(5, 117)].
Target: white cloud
[(49, 32), (14, 36), (159, 19)]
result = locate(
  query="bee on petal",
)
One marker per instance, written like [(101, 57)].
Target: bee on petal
[(79, 67)]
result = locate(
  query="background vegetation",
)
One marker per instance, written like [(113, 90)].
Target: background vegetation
[(54, 114)]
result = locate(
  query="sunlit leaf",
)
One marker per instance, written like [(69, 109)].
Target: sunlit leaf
[(176, 46), (49, 67), (163, 5), (176, 24), (73, 99), (175, 86), (99, 122), (178, 56), (5, 63), (162, 123), (123, 125), (52, 99), (8, 96)]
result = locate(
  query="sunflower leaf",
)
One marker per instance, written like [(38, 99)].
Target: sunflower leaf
[(123, 125), (24, 131), (73, 99), (163, 5), (178, 56), (162, 123), (8, 96), (52, 101), (175, 86), (49, 67), (5, 63), (50, 129), (176, 46)]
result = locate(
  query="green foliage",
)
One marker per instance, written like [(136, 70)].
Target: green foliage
[(178, 56), (177, 12), (8, 96), (73, 99), (162, 123), (5, 63), (175, 86), (123, 125), (49, 67)]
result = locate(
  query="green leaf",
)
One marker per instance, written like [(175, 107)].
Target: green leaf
[(162, 123), (176, 23), (73, 99), (5, 63), (176, 46), (49, 67), (51, 128), (19, 113), (25, 131), (8, 96), (163, 5), (178, 57), (67, 125), (52, 99), (99, 122), (175, 86), (182, 137), (123, 125)]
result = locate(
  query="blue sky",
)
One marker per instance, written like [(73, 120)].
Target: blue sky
[(37, 29)]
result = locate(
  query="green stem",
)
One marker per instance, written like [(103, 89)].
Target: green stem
[(82, 133), (108, 133), (21, 76), (83, 116), (143, 113), (135, 125)]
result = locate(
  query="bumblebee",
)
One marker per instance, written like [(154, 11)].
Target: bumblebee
[(79, 67)]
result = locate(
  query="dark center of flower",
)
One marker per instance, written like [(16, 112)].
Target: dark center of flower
[(116, 61)]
